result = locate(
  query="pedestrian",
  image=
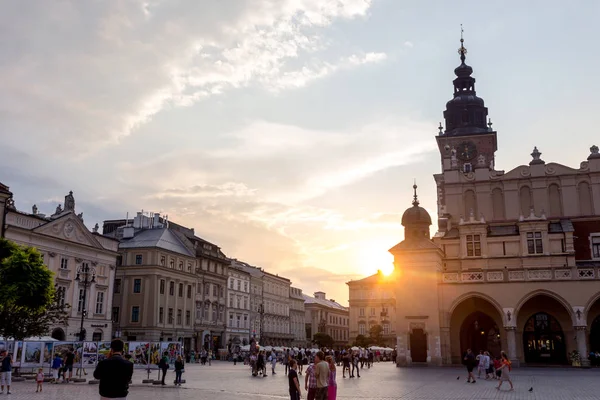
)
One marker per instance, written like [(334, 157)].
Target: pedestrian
[(332, 386), (469, 360), (489, 366), (286, 360), (163, 364), (39, 379), (322, 376), (294, 385), (69, 360), (273, 359), (56, 367), (497, 365), (345, 363), (505, 368), (178, 370), (310, 382), (114, 373), (480, 361), (6, 371), (355, 365)]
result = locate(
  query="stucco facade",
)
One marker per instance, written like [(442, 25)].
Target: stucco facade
[(276, 317), (67, 245), (373, 302), (326, 316), (297, 324), (238, 307)]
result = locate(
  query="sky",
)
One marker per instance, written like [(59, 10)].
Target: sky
[(288, 132)]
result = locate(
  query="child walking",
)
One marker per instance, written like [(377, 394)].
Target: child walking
[(39, 378)]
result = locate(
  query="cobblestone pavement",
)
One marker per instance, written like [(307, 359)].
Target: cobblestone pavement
[(224, 381)]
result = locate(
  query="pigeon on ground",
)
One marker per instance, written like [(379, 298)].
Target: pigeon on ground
[(457, 378), (531, 389)]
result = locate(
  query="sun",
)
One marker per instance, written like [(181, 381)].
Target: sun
[(373, 256)]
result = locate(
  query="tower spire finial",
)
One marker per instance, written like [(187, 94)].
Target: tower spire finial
[(415, 199), (462, 50)]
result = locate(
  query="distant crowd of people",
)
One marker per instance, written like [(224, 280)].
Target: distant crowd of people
[(492, 368)]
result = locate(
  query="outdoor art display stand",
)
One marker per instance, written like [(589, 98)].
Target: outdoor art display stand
[(144, 355)]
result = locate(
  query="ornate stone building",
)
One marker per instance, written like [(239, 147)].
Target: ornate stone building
[(5, 203), (297, 317), (155, 286), (210, 280), (256, 299), (373, 302), (238, 307), (68, 246), (515, 263), (326, 316), (276, 318)]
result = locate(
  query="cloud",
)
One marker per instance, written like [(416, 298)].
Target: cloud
[(409, 44), (91, 73)]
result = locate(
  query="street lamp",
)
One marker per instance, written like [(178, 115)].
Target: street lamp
[(261, 311), (85, 276)]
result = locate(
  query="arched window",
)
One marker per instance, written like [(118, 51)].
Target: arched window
[(525, 198), (585, 199), (498, 204), (554, 201), (470, 202)]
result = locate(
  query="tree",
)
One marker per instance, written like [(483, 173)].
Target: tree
[(361, 341), (28, 300), (376, 335), (323, 340)]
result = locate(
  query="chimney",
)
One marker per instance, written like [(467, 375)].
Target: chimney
[(320, 295), (156, 223), (128, 232), (137, 221)]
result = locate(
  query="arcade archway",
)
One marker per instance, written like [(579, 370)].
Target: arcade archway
[(544, 325), (544, 340), (58, 334), (479, 332), (593, 320), (476, 324)]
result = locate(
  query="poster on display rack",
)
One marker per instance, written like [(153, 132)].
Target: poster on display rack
[(173, 349), (16, 349), (154, 354), (90, 354), (32, 354), (139, 353), (48, 353), (103, 350)]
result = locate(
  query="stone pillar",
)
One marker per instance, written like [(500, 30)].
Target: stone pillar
[(511, 339), (446, 348), (580, 336)]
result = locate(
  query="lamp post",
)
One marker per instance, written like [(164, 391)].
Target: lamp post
[(85, 276), (261, 311)]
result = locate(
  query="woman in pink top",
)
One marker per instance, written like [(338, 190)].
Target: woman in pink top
[(332, 386)]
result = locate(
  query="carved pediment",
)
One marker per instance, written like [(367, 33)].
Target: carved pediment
[(69, 227)]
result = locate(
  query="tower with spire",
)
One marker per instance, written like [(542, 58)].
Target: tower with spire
[(468, 141)]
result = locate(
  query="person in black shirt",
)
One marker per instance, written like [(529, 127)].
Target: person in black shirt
[(164, 366), (469, 361), (69, 360), (114, 373), (295, 393), (178, 370)]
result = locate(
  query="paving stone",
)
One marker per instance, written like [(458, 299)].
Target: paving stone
[(224, 381)]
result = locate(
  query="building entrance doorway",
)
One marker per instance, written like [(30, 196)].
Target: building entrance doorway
[(595, 335), (418, 345), (544, 340), (479, 332)]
